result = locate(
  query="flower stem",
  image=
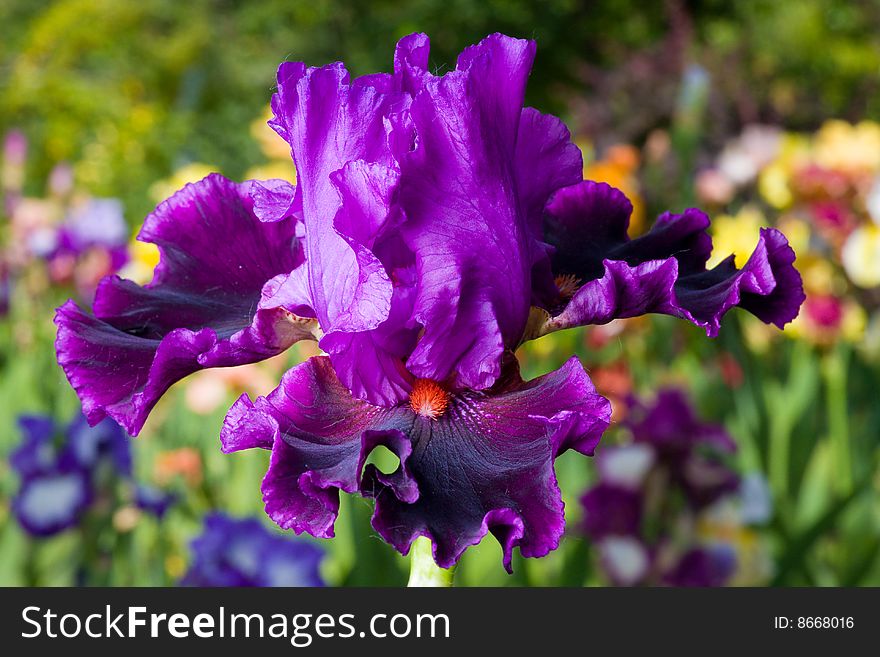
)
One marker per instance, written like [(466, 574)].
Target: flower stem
[(423, 571), (835, 372)]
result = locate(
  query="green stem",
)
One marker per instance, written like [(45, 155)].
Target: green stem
[(838, 421), (423, 571)]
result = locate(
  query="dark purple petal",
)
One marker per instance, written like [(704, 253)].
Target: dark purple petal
[(313, 426), (51, 501), (464, 221), (485, 464), (546, 160), (204, 307), (662, 271)]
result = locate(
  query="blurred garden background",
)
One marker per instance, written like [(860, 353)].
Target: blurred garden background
[(763, 113)]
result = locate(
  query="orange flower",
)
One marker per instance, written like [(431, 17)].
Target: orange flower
[(183, 462)]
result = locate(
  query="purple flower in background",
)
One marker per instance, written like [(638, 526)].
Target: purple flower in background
[(5, 289), (97, 223), (602, 275), (241, 552), (77, 445), (38, 450), (55, 491), (692, 452), (641, 513), (706, 566)]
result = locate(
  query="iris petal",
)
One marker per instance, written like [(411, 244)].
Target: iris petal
[(204, 307), (485, 464), (663, 271)]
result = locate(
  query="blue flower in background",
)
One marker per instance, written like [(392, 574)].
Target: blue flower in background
[(59, 468), (241, 552), (52, 500), (153, 500)]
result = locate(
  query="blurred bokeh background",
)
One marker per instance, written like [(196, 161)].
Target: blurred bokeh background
[(763, 113)]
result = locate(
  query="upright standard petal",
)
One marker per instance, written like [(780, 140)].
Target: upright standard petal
[(663, 271), (464, 220), (330, 122), (470, 463), (203, 308)]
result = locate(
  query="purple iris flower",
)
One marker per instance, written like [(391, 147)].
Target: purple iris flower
[(713, 565), (241, 552), (673, 468), (45, 445), (56, 487), (99, 222), (436, 224)]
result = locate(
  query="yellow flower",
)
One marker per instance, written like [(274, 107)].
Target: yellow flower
[(193, 172), (271, 143), (773, 185), (737, 234), (142, 260), (861, 256), (797, 231), (819, 275), (773, 182), (854, 323), (846, 147), (282, 169)]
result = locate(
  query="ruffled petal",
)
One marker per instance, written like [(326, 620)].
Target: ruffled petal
[(313, 426), (485, 464), (663, 271), (546, 160), (275, 200), (204, 307), (330, 123), (463, 218)]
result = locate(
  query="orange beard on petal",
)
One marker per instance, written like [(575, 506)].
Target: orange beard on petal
[(428, 399), (567, 284)]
